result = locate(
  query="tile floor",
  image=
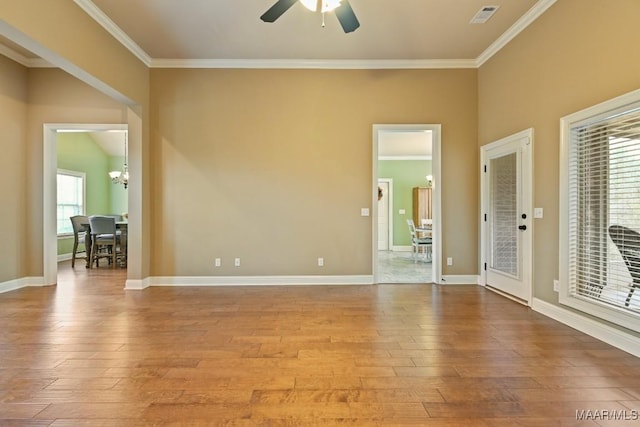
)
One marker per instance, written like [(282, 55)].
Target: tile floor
[(399, 267)]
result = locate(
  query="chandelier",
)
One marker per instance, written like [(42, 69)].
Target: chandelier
[(121, 177)]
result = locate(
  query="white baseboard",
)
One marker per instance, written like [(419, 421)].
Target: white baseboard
[(450, 279), (402, 249), (255, 281), (615, 337), (64, 257), (137, 285), (24, 282)]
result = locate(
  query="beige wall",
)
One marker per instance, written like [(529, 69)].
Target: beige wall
[(61, 32), (13, 191), (579, 53), (84, 48), (273, 166), (56, 97)]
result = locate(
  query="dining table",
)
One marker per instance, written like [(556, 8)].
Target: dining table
[(122, 226)]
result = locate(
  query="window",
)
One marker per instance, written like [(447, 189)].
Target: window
[(70, 198), (600, 211)]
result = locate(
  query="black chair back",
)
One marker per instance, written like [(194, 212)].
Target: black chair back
[(628, 243)]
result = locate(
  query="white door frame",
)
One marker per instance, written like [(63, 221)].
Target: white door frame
[(49, 190), (436, 194), (527, 195), (389, 182)]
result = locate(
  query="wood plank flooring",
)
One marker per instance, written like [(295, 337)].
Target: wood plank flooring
[(87, 353)]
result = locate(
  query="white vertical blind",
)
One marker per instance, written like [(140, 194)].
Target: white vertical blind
[(604, 191)]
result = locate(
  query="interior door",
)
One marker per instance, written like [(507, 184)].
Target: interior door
[(384, 222), (507, 215)]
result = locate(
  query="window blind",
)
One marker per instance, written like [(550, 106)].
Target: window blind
[(604, 210), (70, 198)]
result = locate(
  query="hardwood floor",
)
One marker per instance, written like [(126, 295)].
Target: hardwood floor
[(88, 353)]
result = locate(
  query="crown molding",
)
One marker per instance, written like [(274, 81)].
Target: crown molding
[(337, 64), (93, 11), (525, 20)]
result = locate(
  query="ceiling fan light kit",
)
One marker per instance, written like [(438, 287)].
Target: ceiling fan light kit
[(322, 5), (342, 8)]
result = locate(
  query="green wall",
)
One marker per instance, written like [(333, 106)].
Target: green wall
[(118, 192), (77, 151), (406, 174)]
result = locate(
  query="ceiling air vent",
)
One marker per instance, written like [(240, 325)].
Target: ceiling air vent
[(484, 14)]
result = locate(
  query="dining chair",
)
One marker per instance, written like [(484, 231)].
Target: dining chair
[(105, 242), (80, 224), (628, 243), (418, 242)]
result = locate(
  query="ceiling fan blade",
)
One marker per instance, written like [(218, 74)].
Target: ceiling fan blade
[(275, 11), (347, 17)]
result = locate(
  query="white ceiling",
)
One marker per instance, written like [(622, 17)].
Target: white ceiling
[(409, 33), (112, 142), (229, 33), (404, 145)]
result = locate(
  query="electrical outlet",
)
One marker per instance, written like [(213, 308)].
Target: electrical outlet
[(556, 285), (237, 262), (449, 260), (320, 262), (218, 262)]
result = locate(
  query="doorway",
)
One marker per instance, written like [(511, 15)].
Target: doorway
[(50, 165), (506, 242), (418, 146)]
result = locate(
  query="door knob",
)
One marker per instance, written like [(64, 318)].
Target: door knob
[(522, 227)]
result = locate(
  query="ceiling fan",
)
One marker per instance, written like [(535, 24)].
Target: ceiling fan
[(342, 8)]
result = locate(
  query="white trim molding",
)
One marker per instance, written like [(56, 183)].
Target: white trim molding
[(615, 337), (331, 64), (102, 19), (24, 282), (137, 285), (23, 60), (64, 257), (467, 279), (532, 14), (436, 148), (619, 106), (250, 281)]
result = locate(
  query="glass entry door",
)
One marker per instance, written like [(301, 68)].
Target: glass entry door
[(507, 219)]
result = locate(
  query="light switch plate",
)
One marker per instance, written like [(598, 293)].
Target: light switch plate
[(401, 212), (364, 212), (538, 212)]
